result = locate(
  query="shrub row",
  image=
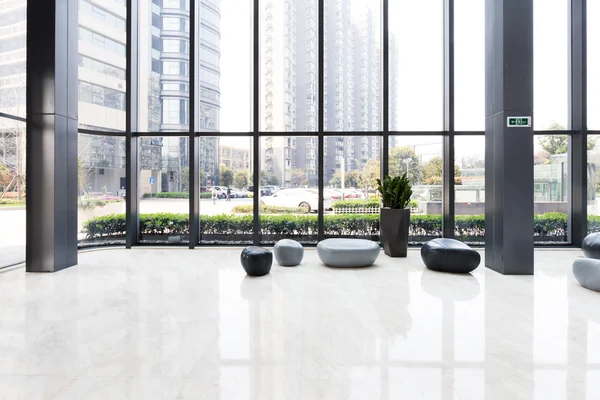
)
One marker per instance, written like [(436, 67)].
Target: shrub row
[(339, 205), (546, 225), (89, 203), (371, 203), (175, 195), (13, 202), (265, 209)]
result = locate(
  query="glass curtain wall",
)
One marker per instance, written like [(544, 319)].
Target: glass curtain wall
[(245, 116), (13, 193)]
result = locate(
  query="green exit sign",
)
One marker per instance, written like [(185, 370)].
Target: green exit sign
[(518, 122)]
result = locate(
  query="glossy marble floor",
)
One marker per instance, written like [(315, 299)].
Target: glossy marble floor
[(181, 324)]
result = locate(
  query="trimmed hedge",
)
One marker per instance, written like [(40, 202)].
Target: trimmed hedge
[(280, 225), (12, 202), (372, 203), (550, 226), (91, 202), (264, 209), (593, 223), (338, 205), (175, 195)]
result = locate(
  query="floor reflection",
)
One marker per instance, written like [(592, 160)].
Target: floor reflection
[(397, 331)]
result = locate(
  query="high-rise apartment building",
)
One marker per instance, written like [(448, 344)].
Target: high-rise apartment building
[(163, 86), (352, 79), (165, 80), (235, 158)]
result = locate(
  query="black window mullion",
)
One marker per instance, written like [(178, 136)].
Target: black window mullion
[(448, 150), (321, 113), (193, 141), (256, 126)]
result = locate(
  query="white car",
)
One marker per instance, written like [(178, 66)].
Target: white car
[(353, 194), (307, 199)]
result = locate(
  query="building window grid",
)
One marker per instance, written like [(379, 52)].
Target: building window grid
[(375, 103)]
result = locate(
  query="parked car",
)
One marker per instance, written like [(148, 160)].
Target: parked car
[(221, 191), (237, 194), (263, 191), (353, 194), (204, 189), (307, 199), (270, 188), (334, 194)]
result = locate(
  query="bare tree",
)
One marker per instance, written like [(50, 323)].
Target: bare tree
[(12, 143)]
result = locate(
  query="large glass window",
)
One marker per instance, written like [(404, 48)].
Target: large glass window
[(227, 105), (593, 64), (469, 189), (288, 93), (550, 62), (12, 192), (417, 37), (102, 63), (101, 181), (289, 188), (352, 165), (551, 188), (469, 65), (226, 190), (593, 186), (289, 66), (420, 157), (164, 189), (163, 77), (353, 78)]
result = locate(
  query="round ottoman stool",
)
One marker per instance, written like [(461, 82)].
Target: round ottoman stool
[(256, 260), (587, 273), (349, 253), (288, 253), (591, 245), (449, 255)]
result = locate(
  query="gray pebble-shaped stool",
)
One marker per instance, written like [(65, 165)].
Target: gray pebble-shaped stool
[(449, 255), (256, 260), (349, 253), (587, 273), (591, 245), (288, 252)]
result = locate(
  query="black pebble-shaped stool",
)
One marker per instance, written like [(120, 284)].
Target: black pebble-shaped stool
[(256, 260), (591, 246), (449, 255)]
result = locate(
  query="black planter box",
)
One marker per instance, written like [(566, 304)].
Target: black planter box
[(394, 224)]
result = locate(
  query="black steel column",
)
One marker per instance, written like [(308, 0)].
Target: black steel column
[(578, 120), (193, 141), (385, 140), (52, 62), (256, 126), (448, 149), (131, 141), (509, 150), (321, 113)]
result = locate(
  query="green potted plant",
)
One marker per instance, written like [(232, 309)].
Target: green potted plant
[(394, 219)]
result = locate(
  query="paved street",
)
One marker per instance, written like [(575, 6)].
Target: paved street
[(182, 206)]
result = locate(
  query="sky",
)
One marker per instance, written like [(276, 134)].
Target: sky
[(418, 29)]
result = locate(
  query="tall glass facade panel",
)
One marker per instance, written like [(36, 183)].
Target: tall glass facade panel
[(417, 74), (550, 64), (286, 91)]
